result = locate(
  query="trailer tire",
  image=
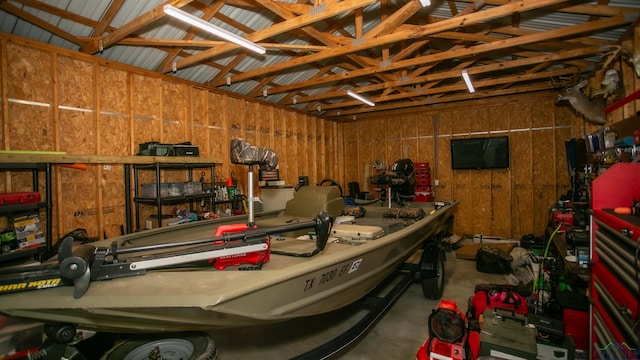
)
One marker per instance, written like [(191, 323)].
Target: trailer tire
[(432, 272), (171, 346)]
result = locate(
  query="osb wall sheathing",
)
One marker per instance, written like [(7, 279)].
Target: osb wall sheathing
[(508, 203), (57, 100)]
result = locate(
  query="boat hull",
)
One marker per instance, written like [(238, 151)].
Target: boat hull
[(198, 299)]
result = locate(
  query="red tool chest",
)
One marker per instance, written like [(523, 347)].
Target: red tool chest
[(615, 288), (19, 198)]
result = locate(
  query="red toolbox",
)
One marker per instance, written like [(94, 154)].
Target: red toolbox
[(19, 198)]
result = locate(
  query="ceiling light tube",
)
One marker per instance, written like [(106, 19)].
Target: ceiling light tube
[(213, 29), (425, 3), (467, 80), (357, 96)]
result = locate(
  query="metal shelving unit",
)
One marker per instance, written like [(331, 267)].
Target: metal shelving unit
[(158, 201), (35, 168)]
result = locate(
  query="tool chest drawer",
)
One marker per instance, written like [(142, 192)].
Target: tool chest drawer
[(615, 287), (614, 262)]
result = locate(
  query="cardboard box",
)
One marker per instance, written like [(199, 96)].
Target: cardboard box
[(28, 231)]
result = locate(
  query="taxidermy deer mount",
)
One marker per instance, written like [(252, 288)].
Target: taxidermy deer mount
[(591, 109)]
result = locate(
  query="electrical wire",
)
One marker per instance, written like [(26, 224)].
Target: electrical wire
[(544, 256)]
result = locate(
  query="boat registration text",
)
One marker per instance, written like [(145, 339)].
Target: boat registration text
[(330, 275)]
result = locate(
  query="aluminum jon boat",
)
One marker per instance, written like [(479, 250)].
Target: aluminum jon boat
[(308, 270), (287, 286)]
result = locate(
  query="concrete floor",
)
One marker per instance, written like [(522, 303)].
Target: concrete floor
[(397, 335)]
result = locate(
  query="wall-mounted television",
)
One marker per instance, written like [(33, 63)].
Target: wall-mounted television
[(480, 153)]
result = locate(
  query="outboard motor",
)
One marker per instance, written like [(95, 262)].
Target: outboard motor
[(404, 171)]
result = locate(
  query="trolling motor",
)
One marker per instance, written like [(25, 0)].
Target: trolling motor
[(87, 263)]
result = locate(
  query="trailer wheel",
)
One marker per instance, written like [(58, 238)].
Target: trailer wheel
[(432, 272), (173, 346)]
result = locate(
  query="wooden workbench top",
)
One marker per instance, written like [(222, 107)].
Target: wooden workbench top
[(63, 158)]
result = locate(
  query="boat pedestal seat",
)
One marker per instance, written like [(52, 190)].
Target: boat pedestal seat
[(307, 203)]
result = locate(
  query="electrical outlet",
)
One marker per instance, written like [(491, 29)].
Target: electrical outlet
[(436, 182)]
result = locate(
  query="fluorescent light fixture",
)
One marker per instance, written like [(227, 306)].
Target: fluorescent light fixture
[(215, 30), (357, 96), (425, 3), (467, 80)]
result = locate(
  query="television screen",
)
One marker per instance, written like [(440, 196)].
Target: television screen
[(480, 153)]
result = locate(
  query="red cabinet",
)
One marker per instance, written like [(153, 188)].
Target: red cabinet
[(615, 279)]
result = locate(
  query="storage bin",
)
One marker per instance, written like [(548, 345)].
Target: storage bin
[(175, 189), (149, 190), (192, 188)]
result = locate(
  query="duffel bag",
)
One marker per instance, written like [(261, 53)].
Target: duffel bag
[(497, 298)]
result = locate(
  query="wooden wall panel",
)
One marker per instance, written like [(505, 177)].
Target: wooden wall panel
[(29, 74), (235, 114), (312, 146), (146, 94), (393, 148), (463, 182), (481, 181), (365, 156), (500, 179), (378, 136), (80, 207), (264, 126), (199, 120), (30, 128), (351, 145), (409, 135), (303, 161), (175, 107), (250, 122), (218, 130), (29, 78), (113, 98), (76, 83), (441, 167), (78, 131), (321, 153), (280, 140), (425, 134), (544, 165), (114, 121), (290, 163), (521, 164), (335, 147)]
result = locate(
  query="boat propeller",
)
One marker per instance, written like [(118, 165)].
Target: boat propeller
[(76, 265)]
